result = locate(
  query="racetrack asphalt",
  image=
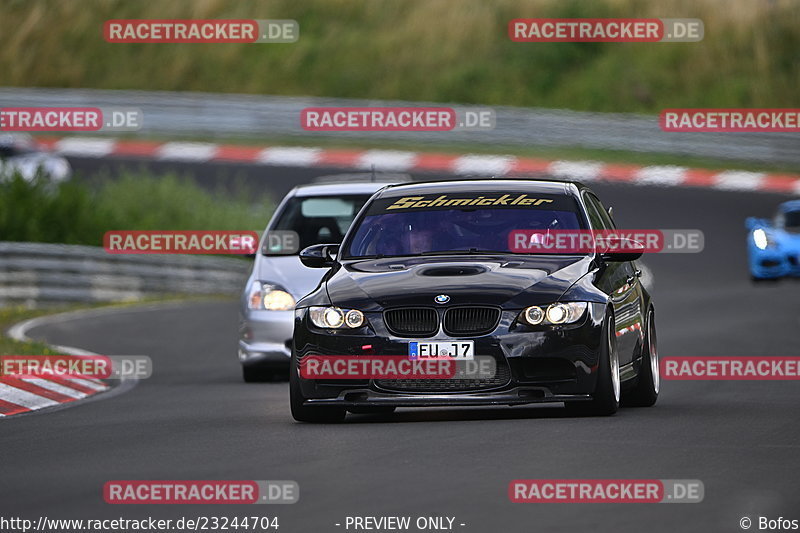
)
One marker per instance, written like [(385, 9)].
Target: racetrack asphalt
[(195, 418)]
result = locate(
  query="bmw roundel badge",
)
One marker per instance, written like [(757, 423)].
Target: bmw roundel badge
[(442, 299)]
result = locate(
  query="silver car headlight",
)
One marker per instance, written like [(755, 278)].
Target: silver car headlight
[(553, 314), (336, 318), (270, 297)]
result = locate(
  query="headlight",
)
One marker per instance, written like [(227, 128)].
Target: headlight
[(555, 314), (534, 315), (335, 318), (760, 239), (270, 297), (354, 318)]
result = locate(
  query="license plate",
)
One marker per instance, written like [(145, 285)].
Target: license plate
[(464, 350)]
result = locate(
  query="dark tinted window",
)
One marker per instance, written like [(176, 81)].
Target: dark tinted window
[(594, 215), (483, 223), (597, 213), (792, 219)]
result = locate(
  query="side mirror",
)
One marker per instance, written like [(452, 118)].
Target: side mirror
[(622, 251), (752, 223), (319, 255), (621, 257)]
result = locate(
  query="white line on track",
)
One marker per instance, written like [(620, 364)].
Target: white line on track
[(577, 170), (387, 160), (183, 151), (289, 155), (492, 165), (24, 398), (56, 387), (85, 146)]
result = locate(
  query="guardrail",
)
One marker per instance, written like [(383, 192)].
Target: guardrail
[(235, 115), (36, 272)]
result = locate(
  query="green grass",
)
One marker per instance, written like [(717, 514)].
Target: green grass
[(421, 50), (74, 212), (13, 315)]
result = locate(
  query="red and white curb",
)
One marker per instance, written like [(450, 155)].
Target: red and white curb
[(23, 395), (28, 394), (404, 161)]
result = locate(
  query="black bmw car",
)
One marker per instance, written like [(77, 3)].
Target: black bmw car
[(428, 270)]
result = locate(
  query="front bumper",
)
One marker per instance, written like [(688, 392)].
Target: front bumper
[(774, 263), (538, 364), (514, 396), (265, 338)]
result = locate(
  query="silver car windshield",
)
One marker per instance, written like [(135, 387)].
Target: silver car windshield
[(319, 219)]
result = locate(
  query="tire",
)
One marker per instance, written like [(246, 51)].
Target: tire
[(372, 410), (605, 400), (648, 383), (319, 414)]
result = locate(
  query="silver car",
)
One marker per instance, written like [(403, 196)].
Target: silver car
[(20, 153), (317, 213)]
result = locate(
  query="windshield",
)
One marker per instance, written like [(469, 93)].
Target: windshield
[(319, 219), (457, 224), (791, 220)]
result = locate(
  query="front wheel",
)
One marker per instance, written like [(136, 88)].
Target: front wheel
[(320, 414), (605, 400), (648, 383)]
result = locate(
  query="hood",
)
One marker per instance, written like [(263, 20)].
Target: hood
[(511, 282), (786, 240), (288, 272)]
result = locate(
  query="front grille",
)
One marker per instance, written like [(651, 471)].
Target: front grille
[(461, 321), (412, 321), (502, 377)]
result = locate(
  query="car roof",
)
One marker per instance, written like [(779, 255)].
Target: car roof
[(791, 205), (546, 186), (338, 189)]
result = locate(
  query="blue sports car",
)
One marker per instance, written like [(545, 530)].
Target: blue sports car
[(773, 246)]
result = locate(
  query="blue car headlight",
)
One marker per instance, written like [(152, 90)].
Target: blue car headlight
[(762, 240)]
